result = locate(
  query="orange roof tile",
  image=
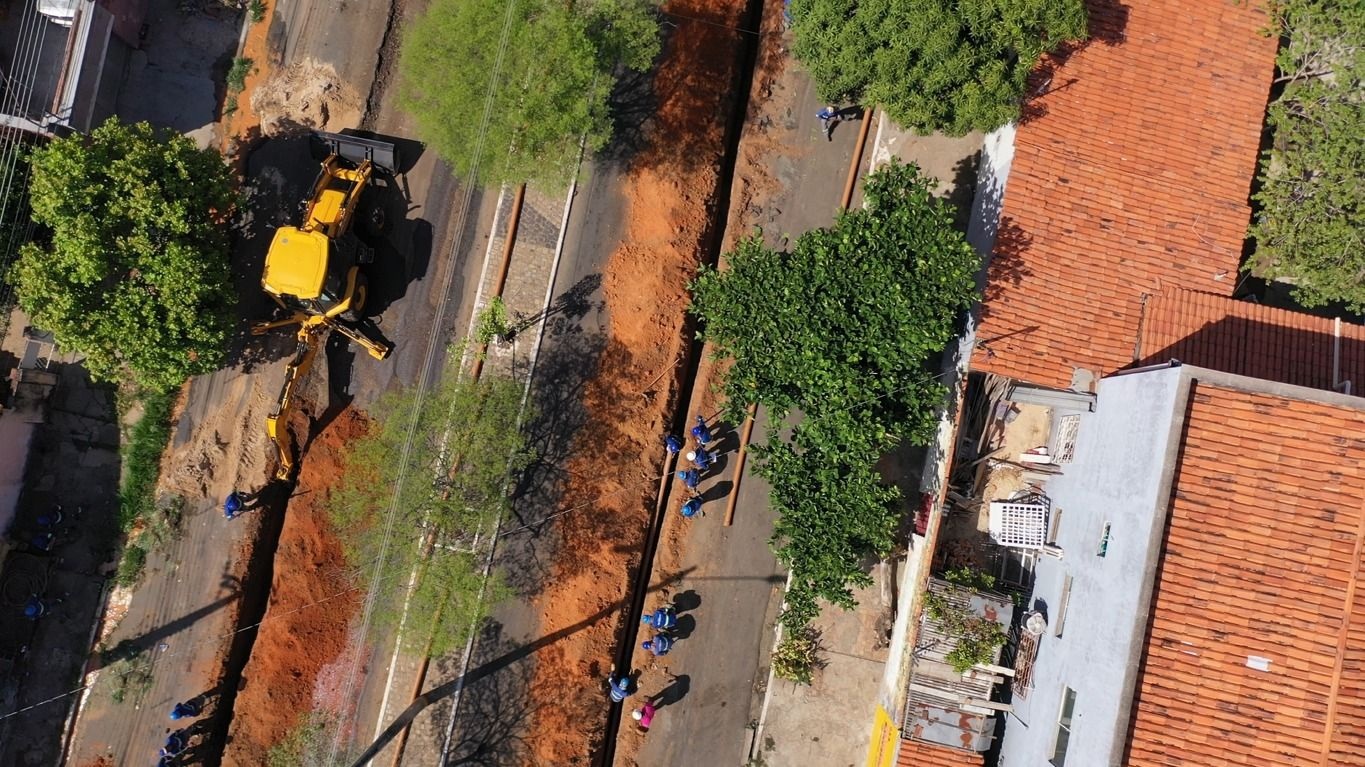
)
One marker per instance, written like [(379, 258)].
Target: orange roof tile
[(1262, 559), (1240, 337), (917, 753), (1133, 177)]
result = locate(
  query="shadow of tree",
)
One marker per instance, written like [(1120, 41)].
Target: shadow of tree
[(1107, 25), (1006, 269)]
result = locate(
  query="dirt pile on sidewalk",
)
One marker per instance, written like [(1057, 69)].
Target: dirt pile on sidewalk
[(305, 95), (671, 188), (306, 624)]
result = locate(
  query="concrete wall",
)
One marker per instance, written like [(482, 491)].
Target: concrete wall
[(15, 436), (1119, 476)]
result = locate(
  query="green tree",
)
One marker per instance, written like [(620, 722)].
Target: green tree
[(949, 65), (840, 328), (133, 270), (1311, 224), (549, 78), (465, 445)]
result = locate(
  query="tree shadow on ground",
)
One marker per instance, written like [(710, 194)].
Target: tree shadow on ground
[(495, 714)]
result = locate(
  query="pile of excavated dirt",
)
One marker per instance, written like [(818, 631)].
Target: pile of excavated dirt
[(671, 187), (310, 609), (303, 96), (199, 467)]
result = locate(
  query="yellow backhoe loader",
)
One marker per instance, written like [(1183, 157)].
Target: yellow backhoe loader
[(313, 272)]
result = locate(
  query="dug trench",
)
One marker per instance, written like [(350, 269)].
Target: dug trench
[(677, 187)]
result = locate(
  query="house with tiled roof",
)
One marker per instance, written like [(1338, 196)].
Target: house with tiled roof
[(1202, 604), (1130, 177), (1132, 434)]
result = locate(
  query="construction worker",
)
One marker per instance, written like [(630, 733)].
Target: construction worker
[(234, 504), (702, 457), (186, 709), (664, 618), (692, 507), (619, 687), (829, 116), (175, 745), (690, 479), (673, 444), (659, 645), (702, 433)]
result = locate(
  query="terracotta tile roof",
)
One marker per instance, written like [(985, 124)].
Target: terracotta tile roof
[(1244, 338), (1262, 565), (917, 753), (1135, 177)]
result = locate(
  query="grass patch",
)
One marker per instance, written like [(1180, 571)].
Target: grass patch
[(142, 459), (237, 73), (230, 105), (303, 745), (257, 11), (130, 565), (132, 676)]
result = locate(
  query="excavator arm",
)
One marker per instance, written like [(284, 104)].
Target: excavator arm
[(277, 423)]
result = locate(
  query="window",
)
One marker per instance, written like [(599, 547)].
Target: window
[(1063, 728), (1104, 541)]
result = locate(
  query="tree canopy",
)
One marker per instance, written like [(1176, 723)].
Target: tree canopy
[(549, 77), (466, 443), (949, 65), (840, 328), (132, 271), (1311, 224)]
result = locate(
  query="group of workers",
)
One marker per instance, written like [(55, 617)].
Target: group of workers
[(178, 742), (664, 622), (702, 458)]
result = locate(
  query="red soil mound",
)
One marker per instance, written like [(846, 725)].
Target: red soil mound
[(299, 636), (671, 187)]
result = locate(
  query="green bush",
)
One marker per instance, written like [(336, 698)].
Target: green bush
[(797, 657), (130, 565), (977, 637), (257, 11), (142, 459), (237, 74)]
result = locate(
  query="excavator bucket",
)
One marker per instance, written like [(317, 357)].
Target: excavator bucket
[(356, 149)]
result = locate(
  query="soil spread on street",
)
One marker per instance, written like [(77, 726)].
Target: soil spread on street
[(305, 628), (670, 189)]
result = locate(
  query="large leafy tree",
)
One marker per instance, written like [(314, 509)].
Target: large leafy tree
[(1311, 225), (549, 67), (465, 443), (950, 65), (132, 271), (840, 328)]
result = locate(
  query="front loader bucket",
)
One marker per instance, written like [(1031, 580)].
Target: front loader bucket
[(357, 150)]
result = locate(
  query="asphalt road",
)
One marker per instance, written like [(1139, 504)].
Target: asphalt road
[(495, 710)]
